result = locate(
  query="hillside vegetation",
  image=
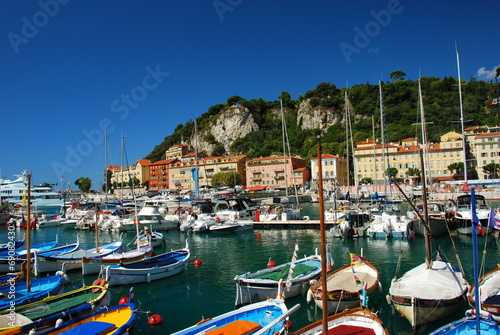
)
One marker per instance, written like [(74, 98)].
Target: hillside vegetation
[(402, 115)]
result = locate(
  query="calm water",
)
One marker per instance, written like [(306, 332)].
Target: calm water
[(209, 290)]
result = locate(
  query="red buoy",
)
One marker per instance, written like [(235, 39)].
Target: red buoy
[(155, 319), (288, 324), (197, 262), (124, 300), (271, 263)]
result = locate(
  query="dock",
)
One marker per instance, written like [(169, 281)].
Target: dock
[(291, 224)]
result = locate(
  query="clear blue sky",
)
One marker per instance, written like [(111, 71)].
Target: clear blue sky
[(70, 69)]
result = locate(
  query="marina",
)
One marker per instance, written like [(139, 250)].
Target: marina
[(208, 290)]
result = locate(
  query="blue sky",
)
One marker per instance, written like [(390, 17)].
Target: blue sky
[(71, 68)]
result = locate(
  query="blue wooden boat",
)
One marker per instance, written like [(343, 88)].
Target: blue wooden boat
[(468, 325), (149, 269), (265, 317), (40, 288), (46, 262), (12, 245), (12, 262)]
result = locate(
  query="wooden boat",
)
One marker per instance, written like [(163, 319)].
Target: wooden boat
[(73, 260), (360, 320), (61, 306), (149, 269), (489, 288), (114, 320), (488, 325), (39, 289), (92, 265), (344, 285), (265, 317), (257, 286), (430, 291), (12, 245), (12, 262), (10, 278)]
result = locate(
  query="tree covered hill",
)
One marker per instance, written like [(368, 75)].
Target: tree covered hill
[(326, 103)]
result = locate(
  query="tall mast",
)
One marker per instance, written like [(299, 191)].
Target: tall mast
[(374, 150), (283, 131), (423, 126), (323, 242), (383, 134), (28, 237), (464, 151), (348, 184)]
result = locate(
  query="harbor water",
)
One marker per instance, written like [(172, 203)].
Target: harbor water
[(208, 290)]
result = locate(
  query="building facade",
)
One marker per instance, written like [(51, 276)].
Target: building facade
[(276, 171), (334, 170)]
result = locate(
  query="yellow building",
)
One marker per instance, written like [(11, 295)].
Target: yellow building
[(334, 170)]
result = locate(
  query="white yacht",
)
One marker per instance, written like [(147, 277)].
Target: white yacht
[(12, 191)]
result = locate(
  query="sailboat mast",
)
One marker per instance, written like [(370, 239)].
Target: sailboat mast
[(348, 184), (28, 237), (423, 126), (374, 151), (322, 242), (382, 133), (464, 152), (283, 126), (427, 235)]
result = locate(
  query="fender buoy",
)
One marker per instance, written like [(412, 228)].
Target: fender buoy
[(99, 282), (217, 219), (271, 263), (197, 262), (288, 324), (124, 300), (155, 319)]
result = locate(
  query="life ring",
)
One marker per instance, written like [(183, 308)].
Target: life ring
[(99, 282)]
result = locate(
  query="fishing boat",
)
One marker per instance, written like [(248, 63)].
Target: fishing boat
[(297, 275), (149, 269), (431, 290), (46, 262), (12, 262), (114, 320), (38, 289), (489, 288), (344, 285), (92, 265), (155, 238), (476, 321), (12, 245), (264, 317), (360, 320), (61, 306)]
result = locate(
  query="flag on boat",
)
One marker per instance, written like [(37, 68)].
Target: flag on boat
[(493, 220), (356, 259), (475, 219), (288, 284)]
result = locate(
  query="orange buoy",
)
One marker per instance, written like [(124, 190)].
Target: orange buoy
[(271, 263), (155, 319), (197, 262), (124, 300)]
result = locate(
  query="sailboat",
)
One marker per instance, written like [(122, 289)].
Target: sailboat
[(360, 320), (476, 321), (430, 291)]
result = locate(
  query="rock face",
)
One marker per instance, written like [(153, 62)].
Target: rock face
[(233, 123), (317, 117), (237, 121)]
